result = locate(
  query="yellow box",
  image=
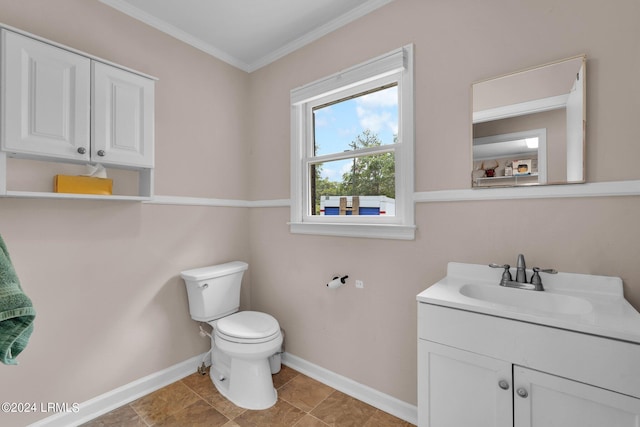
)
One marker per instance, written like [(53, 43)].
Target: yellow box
[(82, 185)]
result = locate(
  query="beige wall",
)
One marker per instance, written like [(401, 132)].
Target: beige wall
[(369, 335), (104, 276)]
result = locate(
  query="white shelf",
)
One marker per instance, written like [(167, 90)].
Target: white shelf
[(46, 195), (145, 188), (507, 180)]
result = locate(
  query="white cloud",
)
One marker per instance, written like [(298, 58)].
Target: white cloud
[(330, 174), (373, 110), (345, 168), (335, 173), (373, 121), (324, 117), (381, 98)]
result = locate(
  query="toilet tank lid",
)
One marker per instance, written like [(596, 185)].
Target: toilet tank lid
[(212, 271)]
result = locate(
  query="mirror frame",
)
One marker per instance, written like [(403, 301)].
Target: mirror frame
[(533, 106)]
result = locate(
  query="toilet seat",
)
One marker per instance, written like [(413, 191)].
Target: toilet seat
[(248, 327)]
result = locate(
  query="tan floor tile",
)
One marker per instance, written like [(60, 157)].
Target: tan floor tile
[(224, 406), (194, 401), (200, 414), (124, 416), (285, 375), (382, 419), (163, 403), (341, 410), (304, 392), (282, 414), (201, 384), (310, 421)]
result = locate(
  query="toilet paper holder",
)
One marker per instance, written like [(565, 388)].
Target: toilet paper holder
[(337, 281)]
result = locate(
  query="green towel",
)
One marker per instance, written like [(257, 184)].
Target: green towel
[(16, 311)]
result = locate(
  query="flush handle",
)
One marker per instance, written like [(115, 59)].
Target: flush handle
[(503, 384), (204, 286), (522, 393)]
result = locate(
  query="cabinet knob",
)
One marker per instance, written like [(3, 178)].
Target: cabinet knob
[(522, 393), (101, 153), (82, 150), (503, 384)]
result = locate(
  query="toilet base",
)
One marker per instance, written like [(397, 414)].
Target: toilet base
[(246, 383)]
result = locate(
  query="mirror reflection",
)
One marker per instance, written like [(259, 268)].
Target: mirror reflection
[(529, 126)]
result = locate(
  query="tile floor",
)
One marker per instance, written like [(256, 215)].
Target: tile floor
[(194, 401)]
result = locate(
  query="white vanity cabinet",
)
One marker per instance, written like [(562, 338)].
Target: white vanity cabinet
[(61, 105), (464, 388), (547, 400), (568, 356), (460, 388)]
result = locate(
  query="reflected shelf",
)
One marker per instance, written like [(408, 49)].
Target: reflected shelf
[(530, 179)]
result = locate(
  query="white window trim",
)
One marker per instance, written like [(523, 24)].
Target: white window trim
[(397, 64)]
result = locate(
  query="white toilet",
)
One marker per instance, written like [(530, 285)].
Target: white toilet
[(241, 342)]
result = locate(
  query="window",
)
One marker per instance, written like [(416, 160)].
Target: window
[(352, 151)]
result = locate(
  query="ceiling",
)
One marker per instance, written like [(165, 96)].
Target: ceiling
[(247, 34)]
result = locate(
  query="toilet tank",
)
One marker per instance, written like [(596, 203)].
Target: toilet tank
[(214, 291)]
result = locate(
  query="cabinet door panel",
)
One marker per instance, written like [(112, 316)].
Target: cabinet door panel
[(123, 106), (46, 94), (462, 388), (558, 402)]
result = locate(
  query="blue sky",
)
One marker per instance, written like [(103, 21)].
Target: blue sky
[(339, 124)]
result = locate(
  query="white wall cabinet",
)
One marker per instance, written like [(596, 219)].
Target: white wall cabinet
[(61, 105), (465, 388), (46, 97), (122, 124)]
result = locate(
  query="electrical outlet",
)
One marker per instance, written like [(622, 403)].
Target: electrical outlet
[(359, 284)]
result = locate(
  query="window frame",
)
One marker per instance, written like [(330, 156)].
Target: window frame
[(393, 67)]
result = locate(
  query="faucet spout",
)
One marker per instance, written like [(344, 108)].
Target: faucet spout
[(521, 267)]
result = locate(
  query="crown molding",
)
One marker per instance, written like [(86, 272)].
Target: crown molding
[(175, 32), (317, 33), (161, 25)]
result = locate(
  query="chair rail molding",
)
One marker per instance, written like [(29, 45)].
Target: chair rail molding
[(591, 189)]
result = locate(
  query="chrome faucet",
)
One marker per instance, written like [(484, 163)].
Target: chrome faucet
[(521, 270), (521, 275)]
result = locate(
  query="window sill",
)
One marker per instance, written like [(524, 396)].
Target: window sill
[(373, 231)]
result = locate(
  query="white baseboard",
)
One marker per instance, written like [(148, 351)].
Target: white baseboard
[(120, 396), (375, 398)]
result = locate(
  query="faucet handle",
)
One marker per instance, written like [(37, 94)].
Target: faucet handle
[(506, 274), (536, 280), (545, 270)]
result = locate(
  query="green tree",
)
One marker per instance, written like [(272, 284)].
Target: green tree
[(372, 175), (324, 187)]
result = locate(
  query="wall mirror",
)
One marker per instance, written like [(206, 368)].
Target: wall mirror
[(529, 126)]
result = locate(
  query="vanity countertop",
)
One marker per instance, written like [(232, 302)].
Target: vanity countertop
[(577, 302)]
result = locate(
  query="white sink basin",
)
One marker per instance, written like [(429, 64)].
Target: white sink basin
[(578, 302), (530, 300)]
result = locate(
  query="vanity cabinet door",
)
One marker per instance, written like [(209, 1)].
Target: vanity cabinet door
[(46, 99), (543, 400), (123, 117), (459, 388)]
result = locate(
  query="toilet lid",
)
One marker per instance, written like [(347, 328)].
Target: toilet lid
[(248, 325)]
